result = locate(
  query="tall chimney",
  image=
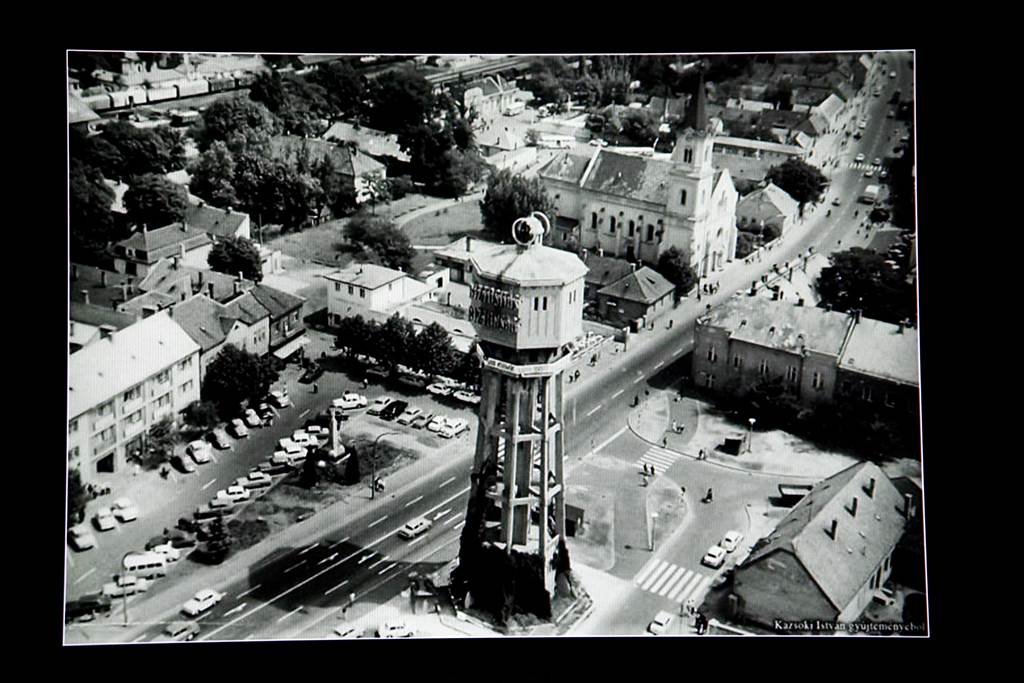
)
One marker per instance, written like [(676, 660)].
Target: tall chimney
[(124, 290), (237, 286), (853, 507), (901, 326), (229, 210), (585, 255), (469, 243), (870, 488), (209, 287), (831, 531), (856, 315), (239, 276), (85, 295), (828, 307)]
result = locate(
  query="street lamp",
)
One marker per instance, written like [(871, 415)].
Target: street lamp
[(750, 434), (124, 588), (654, 527), (373, 463)]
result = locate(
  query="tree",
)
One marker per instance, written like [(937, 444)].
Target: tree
[(218, 543), (400, 99), (674, 266), (432, 352), (352, 474), (161, 439), (640, 126), (901, 186), (353, 334), (377, 240), (78, 496), (92, 223), (861, 279), (154, 201), (344, 88), (213, 176), (393, 342), (467, 369), (141, 151), (459, 170), (232, 255), (310, 475), (379, 189), (236, 375), (800, 180), (96, 151), (201, 414), (509, 197), (236, 121), (547, 89)]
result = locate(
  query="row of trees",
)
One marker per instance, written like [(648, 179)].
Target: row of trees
[(396, 342), (377, 240)]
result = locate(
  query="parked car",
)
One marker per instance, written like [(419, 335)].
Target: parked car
[(714, 558), (267, 413), (104, 519), (252, 419), (272, 466), (377, 371), (182, 464), (859, 158), (395, 628), (731, 541), (420, 525), (255, 480), (348, 631), (279, 399), (200, 452), (125, 510), (883, 174), (306, 439), (181, 630), (438, 389), (835, 202), (219, 438), (175, 537), (662, 620), (415, 381), (877, 161), (209, 511), (421, 420), (379, 405), (239, 429), (453, 428), (125, 585), (235, 493), (393, 410), (81, 537), (408, 415), (87, 607), (312, 373), (466, 397), (597, 142), (869, 173), (202, 601), (167, 550), (435, 424)]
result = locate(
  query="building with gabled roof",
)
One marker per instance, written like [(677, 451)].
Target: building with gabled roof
[(372, 291), (643, 293), (768, 205), (375, 143), (213, 325), (638, 207), (88, 322), (287, 331), (217, 223), (121, 384), (144, 248), (355, 168), (879, 364), (825, 560)]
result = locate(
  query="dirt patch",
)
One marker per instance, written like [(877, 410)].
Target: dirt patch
[(594, 544), (665, 500)]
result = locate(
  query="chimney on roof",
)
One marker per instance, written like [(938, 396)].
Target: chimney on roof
[(149, 310), (852, 509), (239, 276), (124, 290), (209, 288), (85, 295), (600, 251), (237, 286), (828, 307), (584, 255), (908, 506), (800, 301), (469, 243), (870, 488), (202, 203), (633, 265), (181, 252), (103, 278), (184, 228), (106, 331), (229, 210), (831, 531)]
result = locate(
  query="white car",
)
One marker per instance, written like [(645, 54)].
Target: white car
[(279, 399), (348, 632), (892, 74), (380, 404), (414, 528), (438, 389), (862, 124), (598, 143), (437, 423), (200, 451), (305, 439), (859, 158), (409, 415), (202, 601), (167, 550), (714, 558), (731, 541), (869, 173), (395, 629), (877, 162), (252, 419), (125, 510), (239, 429), (288, 445), (466, 397), (255, 480), (349, 401), (235, 494), (662, 620), (81, 537), (453, 428), (104, 519), (125, 585)]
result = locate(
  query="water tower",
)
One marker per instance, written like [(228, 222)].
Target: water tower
[(526, 302)]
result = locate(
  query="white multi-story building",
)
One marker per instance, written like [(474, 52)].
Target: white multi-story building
[(120, 385), (372, 291)]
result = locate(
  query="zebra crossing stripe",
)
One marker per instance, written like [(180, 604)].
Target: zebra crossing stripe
[(664, 579), (653, 577), (645, 571), (690, 585), (680, 584), (670, 583)]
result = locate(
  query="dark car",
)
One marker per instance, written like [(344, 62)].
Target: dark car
[(393, 410), (176, 537), (86, 607), (270, 467), (312, 373)]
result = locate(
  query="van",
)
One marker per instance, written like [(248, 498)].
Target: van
[(147, 565)]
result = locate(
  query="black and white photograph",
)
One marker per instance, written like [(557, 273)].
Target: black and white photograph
[(443, 346)]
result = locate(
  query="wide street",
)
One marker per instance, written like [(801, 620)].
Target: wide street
[(298, 584)]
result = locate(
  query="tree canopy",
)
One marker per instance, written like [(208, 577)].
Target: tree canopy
[(232, 255), (213, 176), (154, 201), (234, 376), (509, 197), (92, 223), (862, 279), (800, 180), (238, 122), (122, 150), (377, 240), (674, 266), (77, 497)]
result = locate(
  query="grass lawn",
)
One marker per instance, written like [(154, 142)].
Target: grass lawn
[(442, 228)]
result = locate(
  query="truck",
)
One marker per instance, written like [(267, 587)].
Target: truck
[(870, 194)]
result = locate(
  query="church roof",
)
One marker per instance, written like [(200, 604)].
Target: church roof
[(697, 114), (624, 175), (567, 167)]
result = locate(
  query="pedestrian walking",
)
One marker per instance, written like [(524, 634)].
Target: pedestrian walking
[(664, 442)]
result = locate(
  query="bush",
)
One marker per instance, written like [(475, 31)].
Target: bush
[(401, 186)]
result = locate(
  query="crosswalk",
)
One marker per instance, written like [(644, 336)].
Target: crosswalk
[(863, 166), (672, 581), (660, 458)]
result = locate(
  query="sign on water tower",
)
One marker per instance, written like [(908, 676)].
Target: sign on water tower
[(495, 308)]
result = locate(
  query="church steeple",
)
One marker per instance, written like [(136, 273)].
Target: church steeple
[(696, 116)]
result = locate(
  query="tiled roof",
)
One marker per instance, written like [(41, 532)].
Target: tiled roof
[(539, 265), (604, 270), (839, 566), (880, 350), (102, 370), (345, 161), (90, 314), (646, 286), (309, 60), (90, 279), (780, 324), (278, 303), (167, 278), (118, 189), (830, 107), (567, 167), (79, 111), (158, 299), (746, 143), (204, 320), (463, 248), (624, 175), (162, 241), (220, 222), (775, 196), (247, 308), (368, 275), (778, 118), (369, 140)]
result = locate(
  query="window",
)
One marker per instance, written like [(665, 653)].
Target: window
[(134, 417), (163, 400), (865, 393), (73, 453), (185, 364), (105, 409), (351, 289), (764, 367), (737, 362), (712, 354), (650, 233), (687, 159), (632, 228), (362, 293), (389, 286), (791, 374), (709, 381), (163, 376), (544, 304), (593, 221), (106, 436), (73, 426), (682, 197), (337, 287), (888, 399), (187, 386), (536, 303), (611, 225), (817, 382), (133, 394)]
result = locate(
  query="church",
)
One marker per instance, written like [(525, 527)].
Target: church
[(637, 207)]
